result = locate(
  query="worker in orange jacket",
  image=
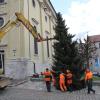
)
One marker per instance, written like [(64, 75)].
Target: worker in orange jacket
[(62, 82), (53, 77), (69, 80), (88, 78), (48, 78)]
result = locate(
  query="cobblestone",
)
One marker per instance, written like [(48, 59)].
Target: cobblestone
[(37, 91)]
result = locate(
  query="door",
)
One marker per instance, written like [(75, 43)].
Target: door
[(2, 70)]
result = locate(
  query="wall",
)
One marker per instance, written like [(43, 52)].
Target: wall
[(21, 63), (96, 59)]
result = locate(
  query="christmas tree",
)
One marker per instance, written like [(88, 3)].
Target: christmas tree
[(66, 54)]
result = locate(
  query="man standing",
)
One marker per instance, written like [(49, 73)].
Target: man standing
[(62, 82), (88, 78), (69, 80), (48, 78)]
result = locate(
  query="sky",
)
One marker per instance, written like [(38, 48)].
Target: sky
[(81, 16)]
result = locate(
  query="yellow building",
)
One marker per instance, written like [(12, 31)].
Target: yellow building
[(20, 54)]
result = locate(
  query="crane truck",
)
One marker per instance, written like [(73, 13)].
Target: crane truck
[(4, 81)]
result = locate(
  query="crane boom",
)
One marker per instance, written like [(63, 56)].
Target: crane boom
[(6, 28), (20, 18), (27, 24)]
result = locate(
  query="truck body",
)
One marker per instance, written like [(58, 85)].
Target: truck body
[(4, 81)]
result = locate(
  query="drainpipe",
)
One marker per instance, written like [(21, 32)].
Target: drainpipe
[(34, 68)]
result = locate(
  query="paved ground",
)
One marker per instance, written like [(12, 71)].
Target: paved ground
[(37, 91)]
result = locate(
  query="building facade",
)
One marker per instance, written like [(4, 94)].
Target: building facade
[(95, 60), (20, 54)]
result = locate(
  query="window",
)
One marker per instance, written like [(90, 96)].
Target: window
[(34, 67), (2, 1), (96, 62), (53, 27), (48, 47), (35, 45), (2, 60), (33, 2), (1, 21), (35, 21), (46, 18)]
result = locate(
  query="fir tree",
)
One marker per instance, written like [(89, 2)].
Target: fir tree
[(66, 54), (65, 51)]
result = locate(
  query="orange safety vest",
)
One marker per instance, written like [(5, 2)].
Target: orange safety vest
[(62, 78), (47, 76), (89, 75), (69, 78)]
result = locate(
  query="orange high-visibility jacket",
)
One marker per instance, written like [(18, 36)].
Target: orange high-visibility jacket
[(47, 76), (88, 75), (62, 78), (69, 78)]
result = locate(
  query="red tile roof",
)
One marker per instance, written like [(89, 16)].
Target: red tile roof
[(94, 38)]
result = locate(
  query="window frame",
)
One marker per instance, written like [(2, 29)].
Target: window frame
[(46, 18), (35, 45), (3, 21), (2, 1), (48, 51), (34, 4), (2, 59)]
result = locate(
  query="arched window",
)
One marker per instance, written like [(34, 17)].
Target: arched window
[(2, 1), (46, 18), (47, 47), (1, 21), (35, 44), (33, 1)]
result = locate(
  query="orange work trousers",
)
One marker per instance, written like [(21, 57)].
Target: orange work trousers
[(62, 86)]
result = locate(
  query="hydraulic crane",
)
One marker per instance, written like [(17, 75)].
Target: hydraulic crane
[(8, 26), (4, 81), (19, 18)]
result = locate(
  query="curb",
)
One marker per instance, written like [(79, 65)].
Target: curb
[(36, 79), (17, 83), (96, 83)]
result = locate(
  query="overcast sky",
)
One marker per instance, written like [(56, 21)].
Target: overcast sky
[(82, 16)]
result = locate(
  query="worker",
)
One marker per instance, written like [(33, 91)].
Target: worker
[(48, 78), (53, 77), (62, 82), (69, 80), (88, 78)]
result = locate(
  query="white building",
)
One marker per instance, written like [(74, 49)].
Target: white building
[(20, 54)]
